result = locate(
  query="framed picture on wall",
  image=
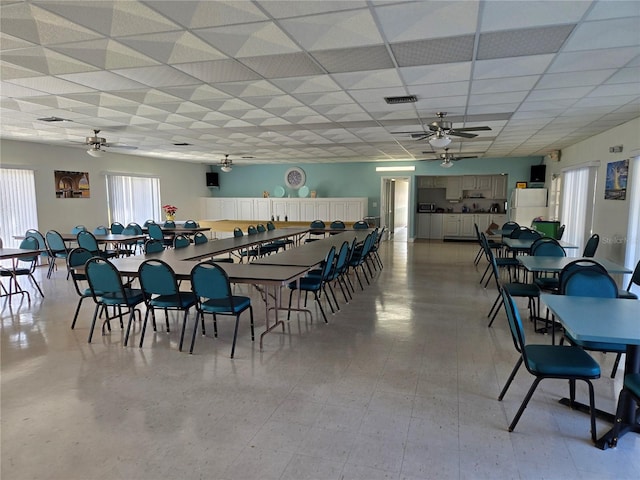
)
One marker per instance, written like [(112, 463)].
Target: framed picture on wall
[(72, 184), (521, 184), (615, 187)]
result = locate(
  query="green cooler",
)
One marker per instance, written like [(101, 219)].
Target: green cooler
[(547, 228)]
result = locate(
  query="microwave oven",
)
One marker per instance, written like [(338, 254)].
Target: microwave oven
[(426, 207)]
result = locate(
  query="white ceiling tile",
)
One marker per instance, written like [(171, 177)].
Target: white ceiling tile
[(558, 93), (437, 90), (626, 75), (603, 101), (173, 47), (494, 98), (102, 80), (216, 71), (574, 79), (287, 8), (508, 15), (52, 85), (421, 20), (158, 76), (616, 89), (582, 61), (198, 14), (310, 84), (106, 53), (508, 84), (511, 67), (449, 72), (615, 33), (370, 79), (352, 28)]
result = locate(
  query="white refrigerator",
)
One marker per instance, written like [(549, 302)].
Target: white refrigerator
[(527, 204)]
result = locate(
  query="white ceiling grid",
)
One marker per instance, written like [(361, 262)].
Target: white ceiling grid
[(296, 82)]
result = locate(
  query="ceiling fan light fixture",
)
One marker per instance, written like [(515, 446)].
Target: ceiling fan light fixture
[(446, 164), (440, 140), (95, 151), (226, 168)]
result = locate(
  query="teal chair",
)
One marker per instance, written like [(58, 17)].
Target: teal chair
[(313, 236), (630, 388), (169, 224), (191, 224), (360, 225), (25, 266), (359, 258), (42, 244), (199, 238), (78, 228), (212, 288), (282, 243), (101, 230), (160, 290), (180, 241), (591, 246), (316, 284), (87, 241), (337, 225), (148, 222), (107, 290), (548, 361), (78, 257), (57, 249), (635, 280), (336, 273), (237, 232), (153, 246), (117, 228)]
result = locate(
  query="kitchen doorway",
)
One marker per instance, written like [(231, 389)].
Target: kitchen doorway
[(394, 206)]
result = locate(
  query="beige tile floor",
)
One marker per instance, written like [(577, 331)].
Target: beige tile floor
[(401, 384)]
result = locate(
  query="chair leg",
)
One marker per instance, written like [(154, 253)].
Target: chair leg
[(93, 322), (525, 402), (199, 314), (333, 295), (75, 316), (315, 294), (615, 365), (592, 411), (251, 320), (289, 310), (144, 324), (511, 377), (235, 335), (495, 304), (131, 317), (184, 327), (617, 424), (33, 280)]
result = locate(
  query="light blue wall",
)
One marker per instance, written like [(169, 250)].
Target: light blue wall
[(360, 179)]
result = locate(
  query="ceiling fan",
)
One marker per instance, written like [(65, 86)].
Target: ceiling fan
[(440, 130), (96, 144), (448, 158), (226, 164)]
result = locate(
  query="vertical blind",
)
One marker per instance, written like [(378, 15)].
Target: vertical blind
[(632, 255), (18, 210), (133, 199), (576, 211)]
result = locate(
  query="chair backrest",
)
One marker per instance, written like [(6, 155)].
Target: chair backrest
[(117, 227), (199, 238), (77, 258), (237, 232), (510, 226), (337, 225), (29, 243), (155, 232), (153, 246), (317, 224), (191, 224), (591, 246), (101, 230), (261, 228), (379, 237), (78, 228), (560, 232), (587, 278), (137, 229), (360, 225), (635, 277), (87, 240), (251, 230), (169, 224), (547, 247), (341, 258), (180, 241), (148, 222), (42, 244), (524, 233), (328, 263), (270, 226), (103, 278), (55, 242), (157, 278), (210, 281), (515, 325)]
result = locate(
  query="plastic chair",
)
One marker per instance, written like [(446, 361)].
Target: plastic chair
[(87, 241), (587, 278), (117, 228), (630, 388), (153, 246), (501, 262), (78, 228), (548, 361), (360, 225), (560, 232), (315, 284), (180, 241), (29, 243), (212, 288), (237, 232), (337, 225), (199, 238), (169, 224), (57, 249), (359, 257), (591, 246), (281, 243), (101, 230), (78, 257), (492, 244), (42, 244), (160, 290), (191, 224), (107, 290), (635, 280), (313, 236), (148, 222), (375, 247)]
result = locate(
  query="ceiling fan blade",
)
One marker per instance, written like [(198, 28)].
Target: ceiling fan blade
[(412, 131), (456, 133), (418, 138), (115, 145), (471, 129), (462, 158)]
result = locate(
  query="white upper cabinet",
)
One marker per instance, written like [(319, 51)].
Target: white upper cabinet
[(454, 188), (499, 186)]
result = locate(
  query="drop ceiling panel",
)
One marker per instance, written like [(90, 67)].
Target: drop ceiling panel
[(217, 71), (354, 59), (510, 15), (615, 33), (435, 51), (518, 43)]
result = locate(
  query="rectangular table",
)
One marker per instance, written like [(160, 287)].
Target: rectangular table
[(521, 246), (14, 254), (534, 263), (609, 320)]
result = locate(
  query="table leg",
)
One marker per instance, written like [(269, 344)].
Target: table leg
[(267, 308)]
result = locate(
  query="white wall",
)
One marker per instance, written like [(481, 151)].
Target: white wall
[(181, 183), (611, 217)]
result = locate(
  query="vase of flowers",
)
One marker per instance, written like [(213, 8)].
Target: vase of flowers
[(170, 212)]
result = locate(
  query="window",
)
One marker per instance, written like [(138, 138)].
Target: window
[(633, 231), (18, 207), (133, 199), (554, 197), (578, 196)]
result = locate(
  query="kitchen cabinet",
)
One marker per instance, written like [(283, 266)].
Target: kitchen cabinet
[(454, 188), (261, 209), (499, 218), (499, 187), (244, 208), (467, 222), (451, 225), (429, 226), (476, 182), (432, 182), (435, 227), (423, 224)]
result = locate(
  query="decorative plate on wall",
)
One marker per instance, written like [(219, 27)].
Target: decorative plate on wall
[(294, 177), (278, 191), (303, 191)]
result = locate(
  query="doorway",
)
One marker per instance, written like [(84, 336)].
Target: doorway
[(394, 206)]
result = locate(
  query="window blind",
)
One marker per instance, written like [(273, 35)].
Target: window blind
[(133, 199), (18, 208), (577, 205)]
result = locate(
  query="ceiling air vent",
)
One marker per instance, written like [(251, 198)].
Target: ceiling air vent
[(54, 119), (403, 99)]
